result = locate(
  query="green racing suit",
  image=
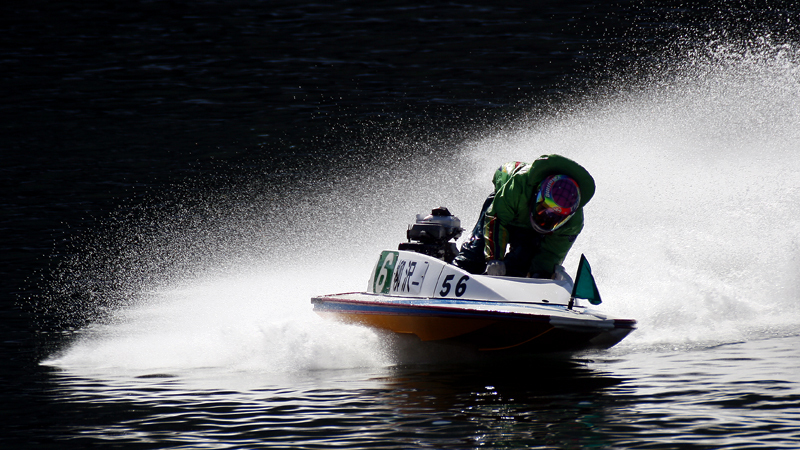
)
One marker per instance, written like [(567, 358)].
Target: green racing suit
[(505, 220)]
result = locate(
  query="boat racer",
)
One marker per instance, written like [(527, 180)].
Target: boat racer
[(536, 211)]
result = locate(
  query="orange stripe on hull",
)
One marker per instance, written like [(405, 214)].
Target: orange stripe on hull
[(426, 328)]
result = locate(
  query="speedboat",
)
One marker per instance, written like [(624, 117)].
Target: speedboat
[(417, 291)]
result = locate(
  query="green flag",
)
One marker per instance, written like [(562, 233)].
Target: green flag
[(584, 286)]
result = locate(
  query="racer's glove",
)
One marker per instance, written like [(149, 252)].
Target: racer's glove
[(495, 267), (560, 274)]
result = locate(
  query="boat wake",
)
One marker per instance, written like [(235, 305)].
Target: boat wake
[(259, 321)]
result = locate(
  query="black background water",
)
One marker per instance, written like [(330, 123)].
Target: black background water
[(110, 109)]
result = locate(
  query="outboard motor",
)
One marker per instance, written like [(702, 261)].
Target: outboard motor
[(431, 235)]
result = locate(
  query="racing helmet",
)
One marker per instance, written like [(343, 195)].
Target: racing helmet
[(557, 200)]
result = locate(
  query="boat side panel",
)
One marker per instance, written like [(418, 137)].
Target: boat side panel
[(402, 273), (455, 283)]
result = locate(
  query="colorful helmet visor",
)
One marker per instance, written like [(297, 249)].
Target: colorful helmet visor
[(556, 202)]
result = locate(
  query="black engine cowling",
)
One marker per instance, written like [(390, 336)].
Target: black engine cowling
[(431, 235)]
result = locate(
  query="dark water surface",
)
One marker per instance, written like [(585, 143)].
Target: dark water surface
[(742, 395), (172, 172)]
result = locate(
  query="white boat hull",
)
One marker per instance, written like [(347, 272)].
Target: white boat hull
[(415, 294)]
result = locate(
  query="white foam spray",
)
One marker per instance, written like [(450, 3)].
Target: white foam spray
[(693, 229), (257, 321)]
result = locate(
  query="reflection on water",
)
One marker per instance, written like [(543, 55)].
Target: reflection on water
[(704, 397), (539, 400), (544, 400)]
